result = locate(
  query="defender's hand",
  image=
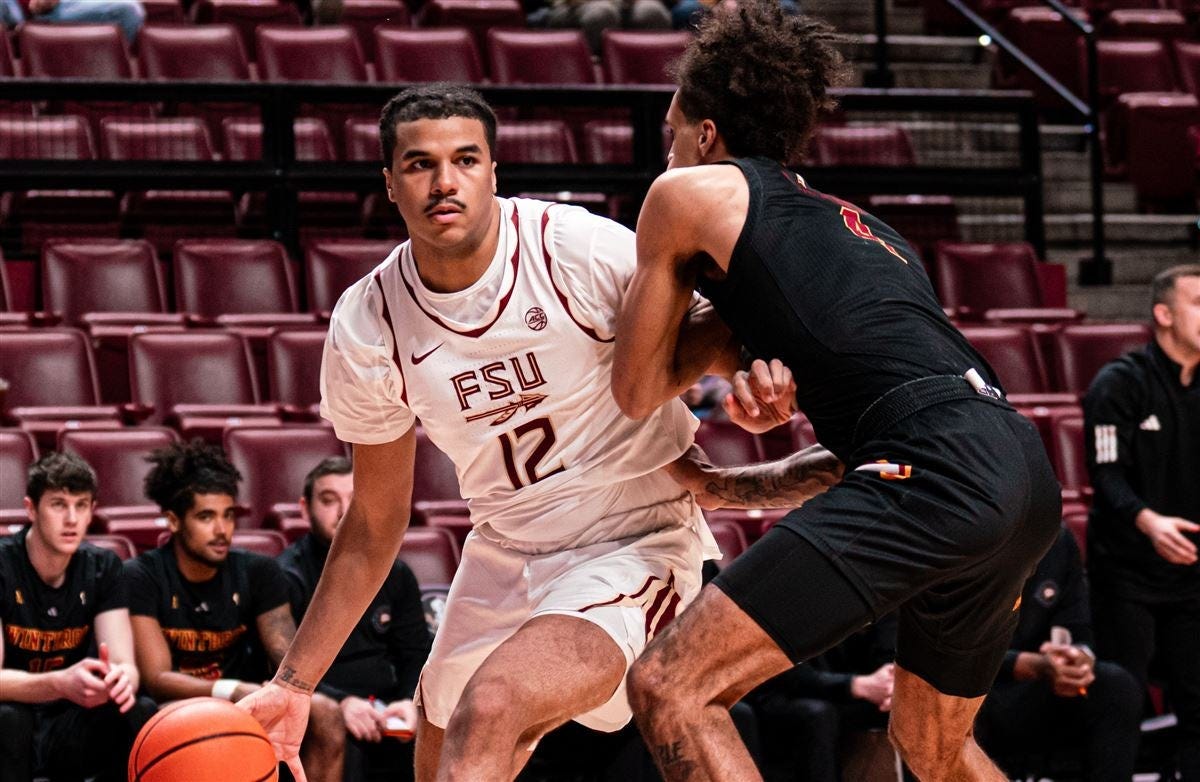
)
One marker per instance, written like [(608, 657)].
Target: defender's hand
[(762, 398), (283, 713)]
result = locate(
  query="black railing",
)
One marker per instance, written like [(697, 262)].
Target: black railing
[(279, 174)]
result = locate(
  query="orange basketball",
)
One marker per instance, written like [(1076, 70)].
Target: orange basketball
[(202, 739)]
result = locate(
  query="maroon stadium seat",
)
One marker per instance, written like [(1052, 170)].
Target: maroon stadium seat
[(727, 444), (294, 368), (268, 542), (730, 538), (144, 531), (1076, 523), (539, 57), (364, 16), (459, 524), (7, 64), (801, 432), (245, 16), (212, 52), (981, 280), (79, 51), (535, 141), (101, 275), (118, 544), (1159, 154), (119, 458), (1132, 66), (310, 54), (423, 55), (431, 553), (435, 481), (1159, 23), (923, 220), (243, 139), (1187, 57), (1082, 349), (1069, 458), (273, 462), (52, 382), (178, 138), (17, 451), (200, 373), (608, 142), (162, 12), (861, 146), (477, 16), (1053, 42), (362, 140), (233, 276), (332, 266), (642, 56), (1013, 352)]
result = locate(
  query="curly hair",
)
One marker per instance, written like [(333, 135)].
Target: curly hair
[(437, 100), (183, 470), (762, 76)]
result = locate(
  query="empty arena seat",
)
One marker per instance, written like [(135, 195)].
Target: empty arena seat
[(1014, 354), (201, 373), (245, 16), (477, 16), (120, 545), (364, 16), (458, 524), (330, 267), (212, 52), (1076, 523), (435, 481), (1187, 58), (177, 138), (1070, 459), (642, 56), (1053, 42), (294, 369), (1159, 154), (7, 63), (431, 553), (1080, 350), (17, 451), (727, 444), (427, 54), (144, 532), (273, 462), (1131, 66), (233, 276), (863, 146), (535, 141), (540, 57), (52, 382), (980, 280), (801, 432), (74, 51), (243, 139), (608, 142), (923, 220), (162, 12), (730, 538), (109, 276), (119, 458), (310, 54), (1161, 23)]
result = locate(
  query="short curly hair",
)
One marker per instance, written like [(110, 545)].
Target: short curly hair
[(183, 470), (436, 100), (762, 75)]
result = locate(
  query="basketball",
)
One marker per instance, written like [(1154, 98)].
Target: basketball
[(202, 739)]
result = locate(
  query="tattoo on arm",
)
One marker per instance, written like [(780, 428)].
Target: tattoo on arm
[(276, 629), (784, 484), (289, 676), (673, 760)]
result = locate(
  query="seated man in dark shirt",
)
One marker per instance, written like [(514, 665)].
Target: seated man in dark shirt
[(1051, 692), (68, 683), (208, 620), (375, 673)]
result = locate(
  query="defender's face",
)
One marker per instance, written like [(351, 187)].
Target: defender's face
[(60, 519), (331, 498), (205, 532), (685, 138), (442, 179)]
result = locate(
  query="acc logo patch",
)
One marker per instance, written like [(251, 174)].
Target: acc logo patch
[(1047, 593), (535, 318), (381, 619)]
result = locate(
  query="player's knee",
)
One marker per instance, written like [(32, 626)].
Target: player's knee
[(325, 723), (489, 704), (646, 683), (16, 726), (928, 758)]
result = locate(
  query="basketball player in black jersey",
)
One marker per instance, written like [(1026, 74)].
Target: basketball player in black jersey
[(68, 684), (948, 499)]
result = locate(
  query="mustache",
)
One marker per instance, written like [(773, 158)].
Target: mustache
[(434, 204), (219, 542)]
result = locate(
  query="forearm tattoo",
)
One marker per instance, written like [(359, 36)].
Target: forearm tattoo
[(289, 676), (673, 761), (778, 485)]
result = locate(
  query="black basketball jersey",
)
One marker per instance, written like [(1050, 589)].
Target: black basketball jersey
[(49, 628), (838, 296), (209, 626)]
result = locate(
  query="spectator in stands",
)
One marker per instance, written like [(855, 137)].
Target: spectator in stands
[(596, 16), (375, 673), (208, 620), (806, 711), (126, 14), (1142, 419), (1051, 693), (67, 675), (690, 13)]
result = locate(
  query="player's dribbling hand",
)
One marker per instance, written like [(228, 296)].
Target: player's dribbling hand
[(762, 398), (283, 713)]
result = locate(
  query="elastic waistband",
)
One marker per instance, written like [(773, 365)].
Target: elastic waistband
[(916, 395)]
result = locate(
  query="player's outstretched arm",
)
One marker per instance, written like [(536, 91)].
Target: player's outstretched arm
[(360, 559), (786, 483)]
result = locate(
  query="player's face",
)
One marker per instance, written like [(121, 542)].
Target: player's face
[(331, 498), (685, 138), (443, 180), (61, 518), (206, 530), (1182, 315)]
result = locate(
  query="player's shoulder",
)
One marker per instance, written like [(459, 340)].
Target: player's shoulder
[(1130, 368), (358, 296), (691, 192), (148, 565), (254, 564)]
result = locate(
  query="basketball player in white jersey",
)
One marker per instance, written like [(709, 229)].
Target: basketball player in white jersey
[(493, 326)]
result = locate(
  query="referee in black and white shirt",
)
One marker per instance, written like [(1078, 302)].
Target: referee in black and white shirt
[(1142, 416)]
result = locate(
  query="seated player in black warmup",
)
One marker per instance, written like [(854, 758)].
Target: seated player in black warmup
[(891, 388), (208, 619), (1051, 693), (375, 673), (68, 683)]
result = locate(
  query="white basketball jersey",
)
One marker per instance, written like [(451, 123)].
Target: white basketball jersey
[(519, 398)]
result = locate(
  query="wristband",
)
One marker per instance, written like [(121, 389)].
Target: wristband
[(223, 688)]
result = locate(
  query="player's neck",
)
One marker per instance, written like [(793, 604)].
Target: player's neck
[(445, 269), (1187, 359), (50, 565), (191, 568)]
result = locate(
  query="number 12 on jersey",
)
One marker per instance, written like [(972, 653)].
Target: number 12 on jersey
[(509, 442)]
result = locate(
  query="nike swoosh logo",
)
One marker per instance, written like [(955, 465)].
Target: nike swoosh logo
[(418, 359)]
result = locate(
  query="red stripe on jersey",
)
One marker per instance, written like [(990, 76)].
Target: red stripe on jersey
[(619, 598), (481, 330), (666, 616), (387, 318), (561, 296), (663, 593)]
